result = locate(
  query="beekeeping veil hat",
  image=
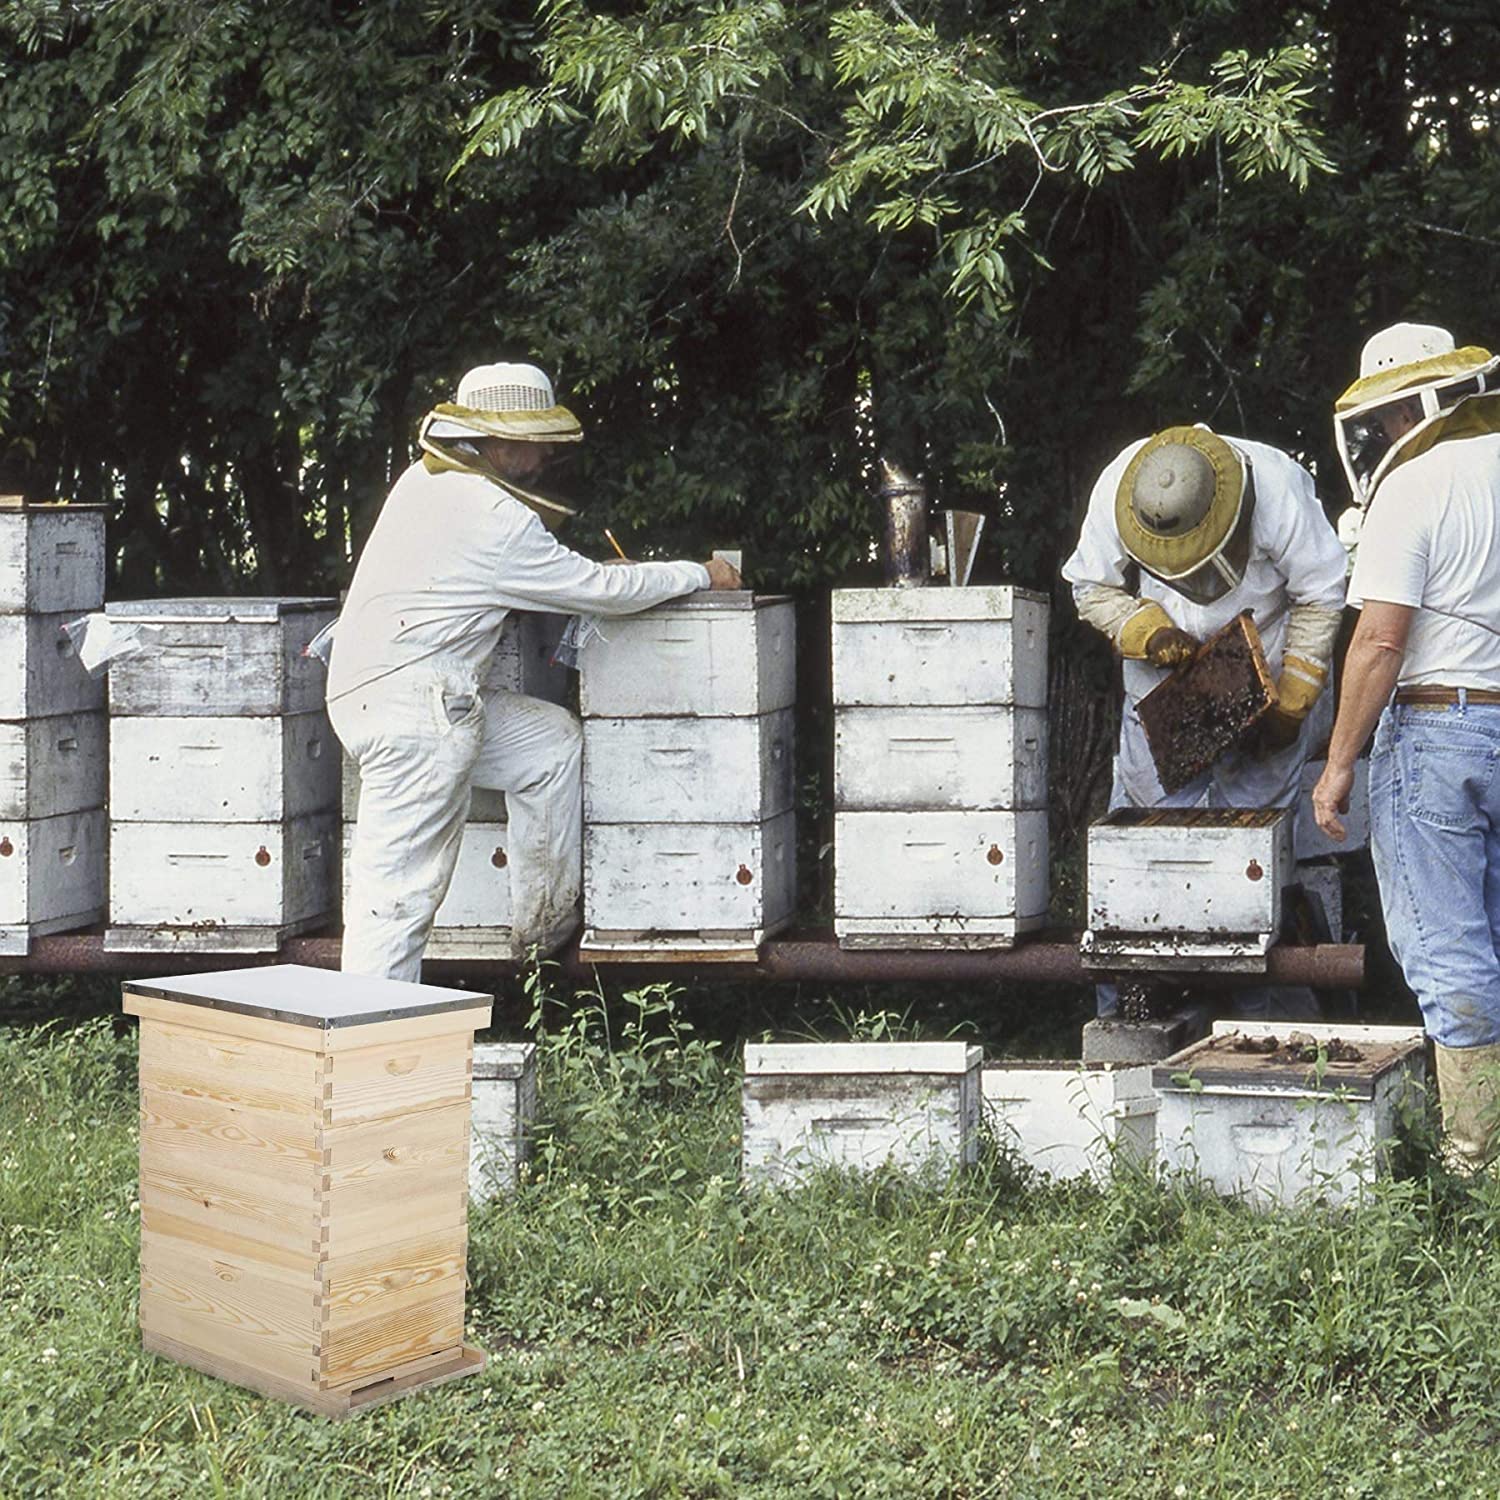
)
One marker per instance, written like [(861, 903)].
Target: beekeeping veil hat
[(1414, 362), (1183, 508), (513, 401), (505, 401)]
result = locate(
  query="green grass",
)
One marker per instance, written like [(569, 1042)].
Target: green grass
[(655, 1331)]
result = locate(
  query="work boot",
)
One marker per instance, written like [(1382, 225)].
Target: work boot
[(1469, 1092)]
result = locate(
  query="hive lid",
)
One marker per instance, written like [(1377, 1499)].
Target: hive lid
[(718, 600), (228, 608), (305, 996), (860, 1057)]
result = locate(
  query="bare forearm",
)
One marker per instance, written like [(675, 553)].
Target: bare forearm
[(1371, 668)]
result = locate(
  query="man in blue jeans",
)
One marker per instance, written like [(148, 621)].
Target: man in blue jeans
[(1419, 433)]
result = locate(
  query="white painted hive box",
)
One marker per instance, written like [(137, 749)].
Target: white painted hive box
[(948, 879), (1170, 881), (716, 654), (688, 770), (915, 1105), (51, 558), (939, 759), (1310, 840), (40, 673), (253, 769), (700, 881), (504, 1105), (1066, 1121), (473, 920), (220, 656), (220, 887), (59, 764), (52, 876), (1274, 1131), (939, 646)]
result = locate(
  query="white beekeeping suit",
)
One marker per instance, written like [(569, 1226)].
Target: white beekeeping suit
[(457, 545), (1253, 537)]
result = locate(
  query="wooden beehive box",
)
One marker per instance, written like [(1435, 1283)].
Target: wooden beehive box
[(54, 765), (40, 673), (906, 648), (1186, 887), (812, 1105), (248, 769), (722, 653), (963, 880), (51, 557), (688, 770), (220, 656), (1066, 1120), (222, 887), (51, 876), (304, 1180), (1287, 1113), (505, 1102), (935, 760)]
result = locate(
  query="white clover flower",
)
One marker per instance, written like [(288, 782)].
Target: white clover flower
[(538, 1407), (679, 1419), (48, 1355), (937, 1257), (970, 1243), (943, 1417)]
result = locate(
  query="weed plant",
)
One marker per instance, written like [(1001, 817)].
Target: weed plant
[(655, 1330)]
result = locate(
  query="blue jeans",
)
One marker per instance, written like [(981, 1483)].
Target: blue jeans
[(1434, 810)]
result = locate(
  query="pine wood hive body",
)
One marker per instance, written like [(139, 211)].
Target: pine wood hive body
[(304, 1180)]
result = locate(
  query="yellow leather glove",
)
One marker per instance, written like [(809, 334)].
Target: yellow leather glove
[(1297, 689), (1150, 635)]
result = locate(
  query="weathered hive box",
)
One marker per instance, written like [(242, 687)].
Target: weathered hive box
[(689, 888), (1186, 888), (220, 656), (921, 759), (905, 648), (915, 1105), (304, 1180), (689, 833), (51, 876), (722, 653), (40, 673), (524, 657), (51, 557), (474, 920), (1311, 1119), (939, 879), (1066, 1121), (681, 770), (54, 765), (505, 1100), (219, 886), (253, 769), (1309, 840)]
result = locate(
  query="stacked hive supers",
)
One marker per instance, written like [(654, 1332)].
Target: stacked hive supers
[(52, 723), (940, 766), (689, 832), (474, 918), (224, 776)]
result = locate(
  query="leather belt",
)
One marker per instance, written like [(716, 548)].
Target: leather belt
[(1446, 695)]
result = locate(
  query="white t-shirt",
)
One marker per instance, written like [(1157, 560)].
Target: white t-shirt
[(450, 556), (1431, 539)]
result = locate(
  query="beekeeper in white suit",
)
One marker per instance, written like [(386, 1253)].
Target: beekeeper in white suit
[(458, 544), (1184, 530)]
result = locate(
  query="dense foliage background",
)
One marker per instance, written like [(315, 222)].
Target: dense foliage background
[(758, 244)]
